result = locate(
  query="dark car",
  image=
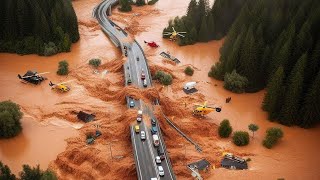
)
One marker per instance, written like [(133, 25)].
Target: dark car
[(129, 81), (153, 121), (160, 153), (137, 58), (154, 129)]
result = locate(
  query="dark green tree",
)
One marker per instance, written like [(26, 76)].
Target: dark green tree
[(272, 137), (310, 111), (225, 129), (240, 138), (211, 28), (140, 3), (188, 71), (125, 6), (253, 128), (10, 116), (63, 68), (273, 98), (5, 172), (235, 82), (290, 108), (203, 32)]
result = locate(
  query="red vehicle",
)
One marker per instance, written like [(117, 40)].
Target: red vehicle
[(143, 75), (151, 44)]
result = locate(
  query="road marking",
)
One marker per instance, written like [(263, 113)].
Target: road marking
[(135, 147), (151, 151)]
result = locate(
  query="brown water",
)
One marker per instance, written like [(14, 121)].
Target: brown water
[(295, 155), (36, 144)]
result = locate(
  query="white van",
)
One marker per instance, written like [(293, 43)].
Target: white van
[(145, 83), (155, 138)]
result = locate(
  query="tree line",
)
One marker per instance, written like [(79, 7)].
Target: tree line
[(203, 23), (125, 5), (27, 173), (44, 27), (276, 44)]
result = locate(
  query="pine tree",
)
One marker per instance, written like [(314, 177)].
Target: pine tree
[(233, 58), (304, 40), (192, 11), (310, 112), (193, 35), (140, 3), (203, 9), (210, 26), (203, 32), (248, 62), (273, 98), (291, 105)]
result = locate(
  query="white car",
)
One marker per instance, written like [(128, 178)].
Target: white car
[(158, 160), (161, 172), (143, 135)]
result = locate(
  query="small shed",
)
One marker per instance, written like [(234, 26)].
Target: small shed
[(233, 162), (85, 117), (201, 165)]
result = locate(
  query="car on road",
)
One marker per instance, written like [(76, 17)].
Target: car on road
[(137, 128), (153, 122), (154, 130), (158, 160), (143, 135), (131, 104), (154, 179), (143, 75), (155, 140), (161, 172), (129, 81), (137, 58), (145, 83), (160, 153)]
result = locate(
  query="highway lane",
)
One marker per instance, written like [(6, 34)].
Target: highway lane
[(145, 152)]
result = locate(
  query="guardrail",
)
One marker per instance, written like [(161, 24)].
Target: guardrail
[(165, 151), (198, 148)]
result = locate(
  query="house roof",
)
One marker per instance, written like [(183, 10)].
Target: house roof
[(85, 116), (226, 162), (200, 165)]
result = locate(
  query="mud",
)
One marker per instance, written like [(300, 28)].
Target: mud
[(100, 91)]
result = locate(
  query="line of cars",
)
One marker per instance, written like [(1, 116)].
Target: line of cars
[(155, 139)]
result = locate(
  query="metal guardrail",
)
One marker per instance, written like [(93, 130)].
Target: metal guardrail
[(198, 148)]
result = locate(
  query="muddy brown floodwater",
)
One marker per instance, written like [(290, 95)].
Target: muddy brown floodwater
[(37, 144), (294, 157)]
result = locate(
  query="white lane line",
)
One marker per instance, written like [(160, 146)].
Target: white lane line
[(136, 66), (151, 151), (135, 147)]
